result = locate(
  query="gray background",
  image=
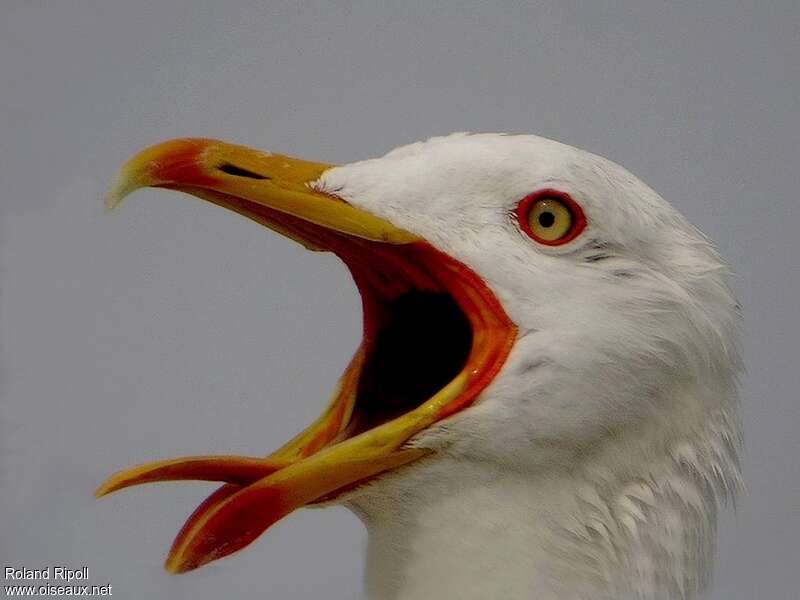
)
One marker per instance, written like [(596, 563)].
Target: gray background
[(173, 327)]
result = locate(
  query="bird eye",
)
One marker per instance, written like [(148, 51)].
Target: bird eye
[(550, 217)]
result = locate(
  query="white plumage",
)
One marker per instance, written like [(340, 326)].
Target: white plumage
[(594, 463)]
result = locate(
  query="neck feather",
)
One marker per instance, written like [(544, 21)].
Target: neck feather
[(633, 519)]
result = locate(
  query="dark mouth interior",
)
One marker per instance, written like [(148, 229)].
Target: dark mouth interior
[(418, 338), (422, 343)]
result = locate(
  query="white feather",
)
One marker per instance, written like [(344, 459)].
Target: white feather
[(593, 465)]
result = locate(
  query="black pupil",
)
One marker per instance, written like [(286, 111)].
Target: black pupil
[(546, 219)]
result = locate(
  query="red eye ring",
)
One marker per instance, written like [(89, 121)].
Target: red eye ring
[(528, 202)]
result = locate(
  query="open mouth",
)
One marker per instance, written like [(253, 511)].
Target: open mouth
[(434, 336)]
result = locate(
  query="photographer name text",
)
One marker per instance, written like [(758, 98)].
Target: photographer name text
[(55, 573)]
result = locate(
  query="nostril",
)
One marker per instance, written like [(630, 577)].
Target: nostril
[(239, 171)]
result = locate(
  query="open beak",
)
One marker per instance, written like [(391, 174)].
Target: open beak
[(434, 337)]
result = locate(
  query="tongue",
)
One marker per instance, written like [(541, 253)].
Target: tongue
[(232, 469)]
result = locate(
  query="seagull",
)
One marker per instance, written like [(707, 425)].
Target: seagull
[(545, 400)]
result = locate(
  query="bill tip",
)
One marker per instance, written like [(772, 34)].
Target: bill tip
[(103, 490), (119, 190), (177, 566)]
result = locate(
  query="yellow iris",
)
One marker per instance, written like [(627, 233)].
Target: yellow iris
[(549, 219)]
